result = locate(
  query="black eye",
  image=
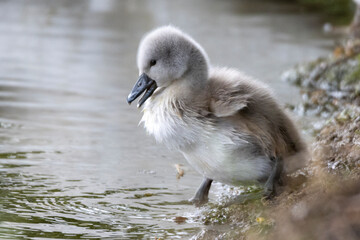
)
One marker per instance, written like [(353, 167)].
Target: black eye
[(152, 62)]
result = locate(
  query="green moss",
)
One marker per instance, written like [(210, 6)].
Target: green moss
[(354, 76), (246, 218), (217, 215)]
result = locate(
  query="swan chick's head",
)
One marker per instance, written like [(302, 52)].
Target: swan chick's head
[(166, 55)]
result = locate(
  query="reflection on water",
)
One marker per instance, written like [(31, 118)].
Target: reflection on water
[(73, 163)]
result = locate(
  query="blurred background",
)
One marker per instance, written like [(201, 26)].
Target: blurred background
[(73, 161)]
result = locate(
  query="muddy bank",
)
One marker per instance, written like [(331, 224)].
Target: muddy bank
[(328, 85), (330, 90), (321, 200)]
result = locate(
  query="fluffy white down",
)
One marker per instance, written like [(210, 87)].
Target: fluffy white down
[(166, 124), (212, 150)]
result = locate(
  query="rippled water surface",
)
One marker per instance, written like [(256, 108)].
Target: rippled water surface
[(73, 161)]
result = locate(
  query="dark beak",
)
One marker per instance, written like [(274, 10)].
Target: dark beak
[(143, 84)]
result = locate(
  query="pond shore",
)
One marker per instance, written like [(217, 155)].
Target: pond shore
[(321, 200)]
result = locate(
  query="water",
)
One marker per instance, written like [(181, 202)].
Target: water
[(73, 162)]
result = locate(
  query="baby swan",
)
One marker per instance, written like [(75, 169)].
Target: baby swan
[(227, 125)]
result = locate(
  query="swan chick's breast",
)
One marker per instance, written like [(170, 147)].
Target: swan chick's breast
[(166, 121), (211, 149)]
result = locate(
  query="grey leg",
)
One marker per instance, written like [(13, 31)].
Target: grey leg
[(202, 194), (269, 188)]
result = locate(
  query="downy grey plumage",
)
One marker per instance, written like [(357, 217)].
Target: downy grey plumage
[(228, 126)]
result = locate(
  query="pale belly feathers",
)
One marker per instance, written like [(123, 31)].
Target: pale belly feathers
[(212, 150)]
